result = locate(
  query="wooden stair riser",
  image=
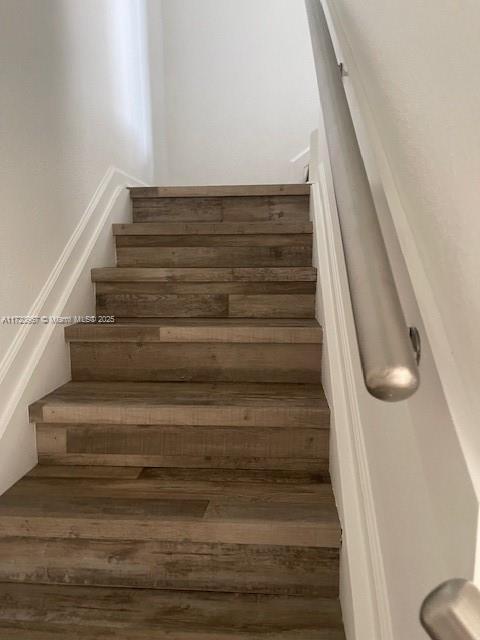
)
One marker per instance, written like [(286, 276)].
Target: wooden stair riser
[(252, 231), (191, 331), (220, 191), (199, 241), (180, 415), (222, 209), (206, 288), (205, 305), (195, 362), (215, 256), (222, 275), (264, 569), (206, 299), (184, 446)]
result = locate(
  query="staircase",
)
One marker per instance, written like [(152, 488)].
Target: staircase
[(182, 489)]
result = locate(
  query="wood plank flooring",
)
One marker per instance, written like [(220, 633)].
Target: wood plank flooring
[(183, 489), (264, 533), (151, 506), (43, 612), (199, 330), (158, 207)]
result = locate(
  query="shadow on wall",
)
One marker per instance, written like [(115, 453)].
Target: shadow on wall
[(75, 102)]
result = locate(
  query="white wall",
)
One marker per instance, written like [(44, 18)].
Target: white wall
[(74, 101), (72, 104), (240, 90), (158, 97)]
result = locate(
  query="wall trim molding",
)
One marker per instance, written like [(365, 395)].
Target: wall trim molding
[(299, 165), (367, 610), (302, 155), (27, 347)]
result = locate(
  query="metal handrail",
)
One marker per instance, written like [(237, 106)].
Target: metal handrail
[(452, 611), (388, 361)]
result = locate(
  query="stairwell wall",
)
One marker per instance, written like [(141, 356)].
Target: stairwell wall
[(75, 105), (240, 97)]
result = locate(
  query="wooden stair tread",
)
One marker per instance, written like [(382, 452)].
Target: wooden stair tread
[(148, 508), (226, 330), (176, 475), (214, 256), (212, 228), (178, 393), (204, 274), (154, 484), (51, 612), (145, 402), (221, 191), (99, 471), (171, 564), (215, 244)]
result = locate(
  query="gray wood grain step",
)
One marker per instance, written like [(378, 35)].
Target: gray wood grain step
[(51, 612), (179, 477), (244, 483), (210, 275), (206, 228), (156, 564), (189, 425), (246, 208), (134, 301), (196, 404), (215, 256), (221, 191), (196, 362), (252, 242), (185, 446), (200, 330), (206, 288), (147, 508), (278, 538), (198, 292)]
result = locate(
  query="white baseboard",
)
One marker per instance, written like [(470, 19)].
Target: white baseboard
[(363, 588), (38, 359)]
